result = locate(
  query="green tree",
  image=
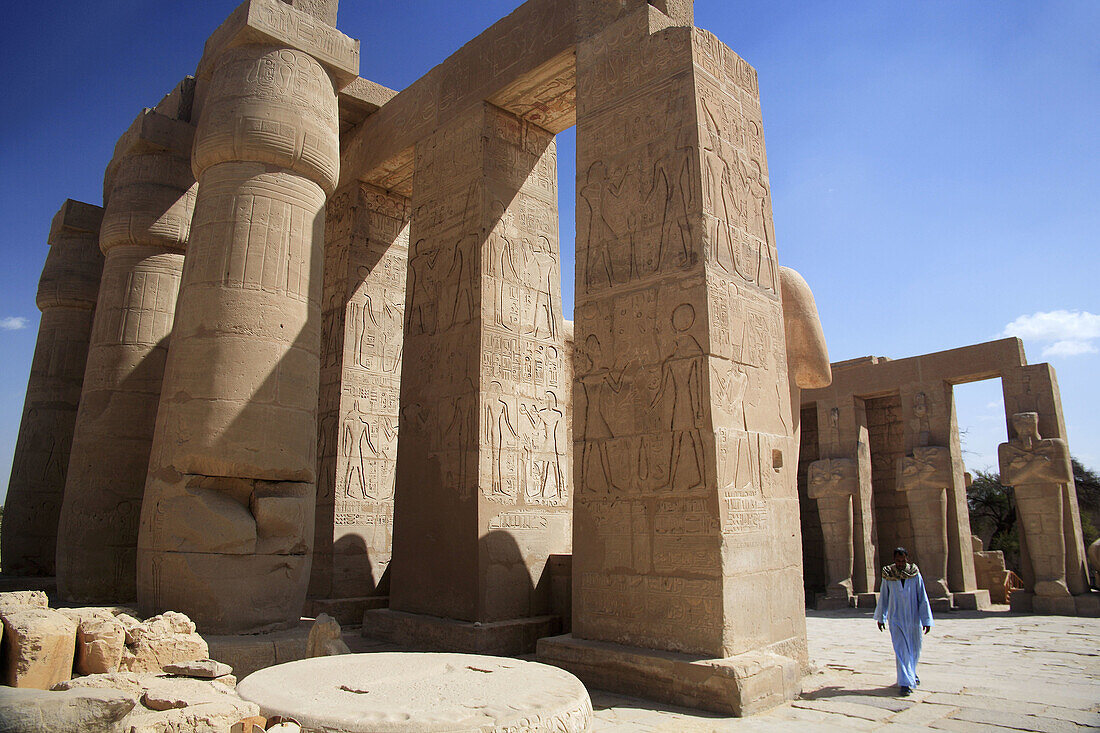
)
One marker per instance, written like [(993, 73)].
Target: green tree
[(993, 515), (1087, 484)]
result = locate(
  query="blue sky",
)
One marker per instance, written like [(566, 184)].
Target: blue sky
[(935, 165)]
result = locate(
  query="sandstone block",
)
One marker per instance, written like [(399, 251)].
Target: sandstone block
[(214, 717), (71, 711), (100, 640), (169, 638), (18, 599), (39, 645), (325, 638), (201, 668)]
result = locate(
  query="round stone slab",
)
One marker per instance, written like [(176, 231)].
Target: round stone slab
[(410, 692)]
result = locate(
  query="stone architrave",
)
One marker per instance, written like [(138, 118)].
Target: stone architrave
[(66, 296), (362, 317), (832, 482), (1034, 388), (686, 560), (227, 523), (923, 477), (1037, 468), (484, 490), (149, 194)]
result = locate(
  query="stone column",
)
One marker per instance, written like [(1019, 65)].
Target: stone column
[(366, 255), (227, 523), (1037, 450), (483, 481), (686, 562), (149, 194), (842, 427), (66, 296), (832, 482), (932, 477)]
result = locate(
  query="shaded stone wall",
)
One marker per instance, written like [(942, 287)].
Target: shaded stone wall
[(813, 550), (366, 251), (886, 433)]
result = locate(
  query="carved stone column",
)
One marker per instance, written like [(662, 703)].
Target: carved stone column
[(832, 482), (149, 193), (66, 296), (227, 524), (483, 486), (1038, 450), (366, 256), (686, 539), (931, 475)]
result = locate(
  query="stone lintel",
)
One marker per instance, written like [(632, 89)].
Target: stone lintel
[(152, 131), (179, 103), (275, 22), (359, 100), (77, 216), (432, 633), (742, 685)]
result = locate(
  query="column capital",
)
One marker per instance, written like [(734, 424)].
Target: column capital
[(275, 22)]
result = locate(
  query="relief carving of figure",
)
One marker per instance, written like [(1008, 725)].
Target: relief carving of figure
[(594, 377), (498, 426), (718, 187), (358, 451), (602, 197), (681, 383), (546, 269), (423, 289)]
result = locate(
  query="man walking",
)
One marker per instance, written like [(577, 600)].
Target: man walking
[(903, 603)]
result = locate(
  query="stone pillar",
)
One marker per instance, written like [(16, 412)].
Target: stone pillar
[(832, 482), (842, 427), (1037, 450), (227, 523), (932, 477), (366, 255), (483, 482), (149, 194), (687, 564), (66, 296)]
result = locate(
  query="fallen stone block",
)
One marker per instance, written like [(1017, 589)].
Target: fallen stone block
[(169, 638), (100, 640), (202, 668), (39, 646), (69, 711), (16, 599)]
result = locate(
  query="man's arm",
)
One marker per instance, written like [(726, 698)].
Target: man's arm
[(925, 609), (882, 605)]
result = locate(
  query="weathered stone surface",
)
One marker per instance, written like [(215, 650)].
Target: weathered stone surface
[(483, 462), (168, 638), (421, 692), (149, 194), (39, 646), (100, 642), (247, 653), (325, 638), (201, 668), (242, 426), (16, 600), (71, 711), (67, 293)]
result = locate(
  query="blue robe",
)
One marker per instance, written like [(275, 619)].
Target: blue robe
[(905, 608)]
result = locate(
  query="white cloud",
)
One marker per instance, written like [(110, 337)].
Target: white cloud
[(1067, 333), (13, 323)]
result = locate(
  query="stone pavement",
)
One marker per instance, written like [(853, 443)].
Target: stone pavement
[(991, 671)]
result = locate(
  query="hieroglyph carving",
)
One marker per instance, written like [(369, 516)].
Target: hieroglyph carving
[(681, 390)]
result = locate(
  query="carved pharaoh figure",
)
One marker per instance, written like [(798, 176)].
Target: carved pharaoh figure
[(1037, 468)]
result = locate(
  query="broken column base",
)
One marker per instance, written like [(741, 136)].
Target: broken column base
[(346, 611), (940, 605), (431, 633), (827, 602), (972, 600), (1086, 604), (742, 685), (246, 653), (866, 600)]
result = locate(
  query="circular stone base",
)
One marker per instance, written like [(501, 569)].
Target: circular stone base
[(407, 691)]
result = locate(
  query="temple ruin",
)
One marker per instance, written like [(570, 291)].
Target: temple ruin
[(329, 368)]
